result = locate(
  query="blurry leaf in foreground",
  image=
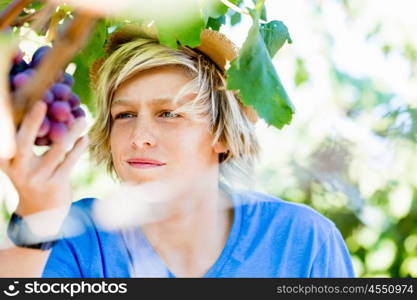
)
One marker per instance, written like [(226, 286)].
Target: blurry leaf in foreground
[(179, 21), (214, 8), (175, 21)]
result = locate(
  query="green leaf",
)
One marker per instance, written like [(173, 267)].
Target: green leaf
[(235, 18), (215, 24), (82, 83), (263, 10), (254, 75), (275, 34), (93, 50), (216, 11)]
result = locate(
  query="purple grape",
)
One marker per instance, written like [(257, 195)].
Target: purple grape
[(20, 80), (43, 141), (78, 112), (59, 111), (44, 129), (29, 72), (63, 104), (61, 91), (57, 132), (68, 80), (48, 97), (74, 101), (38, 55)]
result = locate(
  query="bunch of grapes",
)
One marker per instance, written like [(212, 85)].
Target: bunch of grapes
[(63, 104)]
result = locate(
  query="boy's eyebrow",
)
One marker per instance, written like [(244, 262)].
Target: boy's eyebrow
[(152, 102)]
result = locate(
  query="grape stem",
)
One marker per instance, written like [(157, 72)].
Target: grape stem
[(9, 14), (42, 20), (238, 9), (65, 47)]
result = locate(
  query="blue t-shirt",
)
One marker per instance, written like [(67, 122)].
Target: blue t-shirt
[(269, 238)]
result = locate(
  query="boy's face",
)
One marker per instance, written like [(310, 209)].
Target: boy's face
[(143, 127)]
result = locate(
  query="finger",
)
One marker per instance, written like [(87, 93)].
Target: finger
[(64, 169), (28, 131), (56, 154)]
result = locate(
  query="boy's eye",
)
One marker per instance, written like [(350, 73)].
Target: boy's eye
[(169, 114), (164, 114), (124, 115)]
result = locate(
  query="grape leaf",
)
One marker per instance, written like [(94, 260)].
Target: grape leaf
[(235, 18), (215, 13), (93, 50), (254, 75), (216, 23), (275, 33), (82, 83), (263, 10)]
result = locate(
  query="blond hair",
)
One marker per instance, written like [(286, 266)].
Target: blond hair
[(228, 122)]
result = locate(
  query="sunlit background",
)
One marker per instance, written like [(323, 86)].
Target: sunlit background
[(349, 152)]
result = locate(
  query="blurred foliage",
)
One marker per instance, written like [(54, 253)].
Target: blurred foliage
[(350, 154)]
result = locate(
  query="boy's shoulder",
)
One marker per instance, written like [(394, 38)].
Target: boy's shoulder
[(271, 207)]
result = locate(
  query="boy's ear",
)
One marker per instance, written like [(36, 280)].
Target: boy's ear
[(219, 147)]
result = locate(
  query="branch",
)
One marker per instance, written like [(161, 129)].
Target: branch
[(102, 8), (54, 23), (42, 20), (66, 46), (9, 14), (239, 10), (22, 20)]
